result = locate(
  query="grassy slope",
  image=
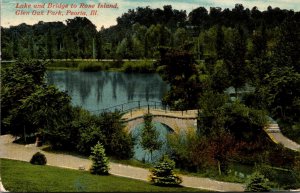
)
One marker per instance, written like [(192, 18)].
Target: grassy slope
[(18, 176)]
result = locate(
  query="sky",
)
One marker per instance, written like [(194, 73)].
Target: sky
[(107, 17)]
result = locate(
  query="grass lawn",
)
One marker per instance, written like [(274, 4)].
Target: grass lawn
[(19, 176)]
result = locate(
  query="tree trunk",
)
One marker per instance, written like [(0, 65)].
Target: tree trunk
[(236, 94), (219, 168), (25, 134)]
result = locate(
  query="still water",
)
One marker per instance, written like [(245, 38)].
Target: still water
[(99, 90)]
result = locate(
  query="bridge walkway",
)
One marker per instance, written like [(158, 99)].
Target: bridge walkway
[(137, 113)]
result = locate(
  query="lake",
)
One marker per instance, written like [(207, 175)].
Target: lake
[(99, 90)]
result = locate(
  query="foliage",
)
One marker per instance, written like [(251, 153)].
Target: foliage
[(46, 108), (149, 136), (280, 177), (178, 68), (99, 159), (106, 128), (19, 80), (162, 174), (138, 66), (280, 156), (234, 59), (116, 141), (38, 159), (146, 27), (257, 183), (280, 93), (181, 145)]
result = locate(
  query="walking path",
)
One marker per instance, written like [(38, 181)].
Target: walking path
[(275, 134), (10, 150), (2, 189)]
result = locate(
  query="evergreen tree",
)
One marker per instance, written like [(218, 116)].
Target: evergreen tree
[(99, 159), (150, 136), (162, 174), (257, 183)]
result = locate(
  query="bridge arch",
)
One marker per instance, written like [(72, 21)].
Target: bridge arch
[(175, 120)]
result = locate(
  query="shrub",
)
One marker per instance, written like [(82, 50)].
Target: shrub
[(143, 66), (257, 183), (91, 66), (99, 159), (38, 159), (162, 174)]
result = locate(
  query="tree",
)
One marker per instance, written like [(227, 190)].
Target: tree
[(99, 159), (178, 68), (220, 42), (45, 110), (198, 16), (280, 92), (222, 147), (180, 37), (156, 36), (259, 42), (99, 46), (234, 59), (162, 174), (257, 183), (50, 44), (149, 136), (181, 148), (19, 81)]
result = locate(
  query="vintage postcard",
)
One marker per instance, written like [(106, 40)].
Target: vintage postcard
[(150, 95)]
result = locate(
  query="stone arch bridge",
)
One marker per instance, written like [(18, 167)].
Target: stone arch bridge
[(175, 120), (182, 120)]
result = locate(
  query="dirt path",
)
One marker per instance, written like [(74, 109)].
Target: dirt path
[(20, 152)]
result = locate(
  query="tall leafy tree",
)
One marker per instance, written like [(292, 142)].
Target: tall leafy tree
[(19, 81), (220, 44), (178, 68), (234, 60), (259, 42), (99, 46), (50, 44)]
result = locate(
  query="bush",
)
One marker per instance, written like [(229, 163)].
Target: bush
[(99, 159), (257, 183), (38, 159), (143, 66), (162, 174), (91, 67)]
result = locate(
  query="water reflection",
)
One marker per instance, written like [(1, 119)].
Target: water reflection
[(98, 90)]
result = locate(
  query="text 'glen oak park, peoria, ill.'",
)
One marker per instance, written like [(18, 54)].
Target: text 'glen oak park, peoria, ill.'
[(61, 9)]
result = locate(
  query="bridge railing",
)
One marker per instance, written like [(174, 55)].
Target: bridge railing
[(129, 106), (135, 105)]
